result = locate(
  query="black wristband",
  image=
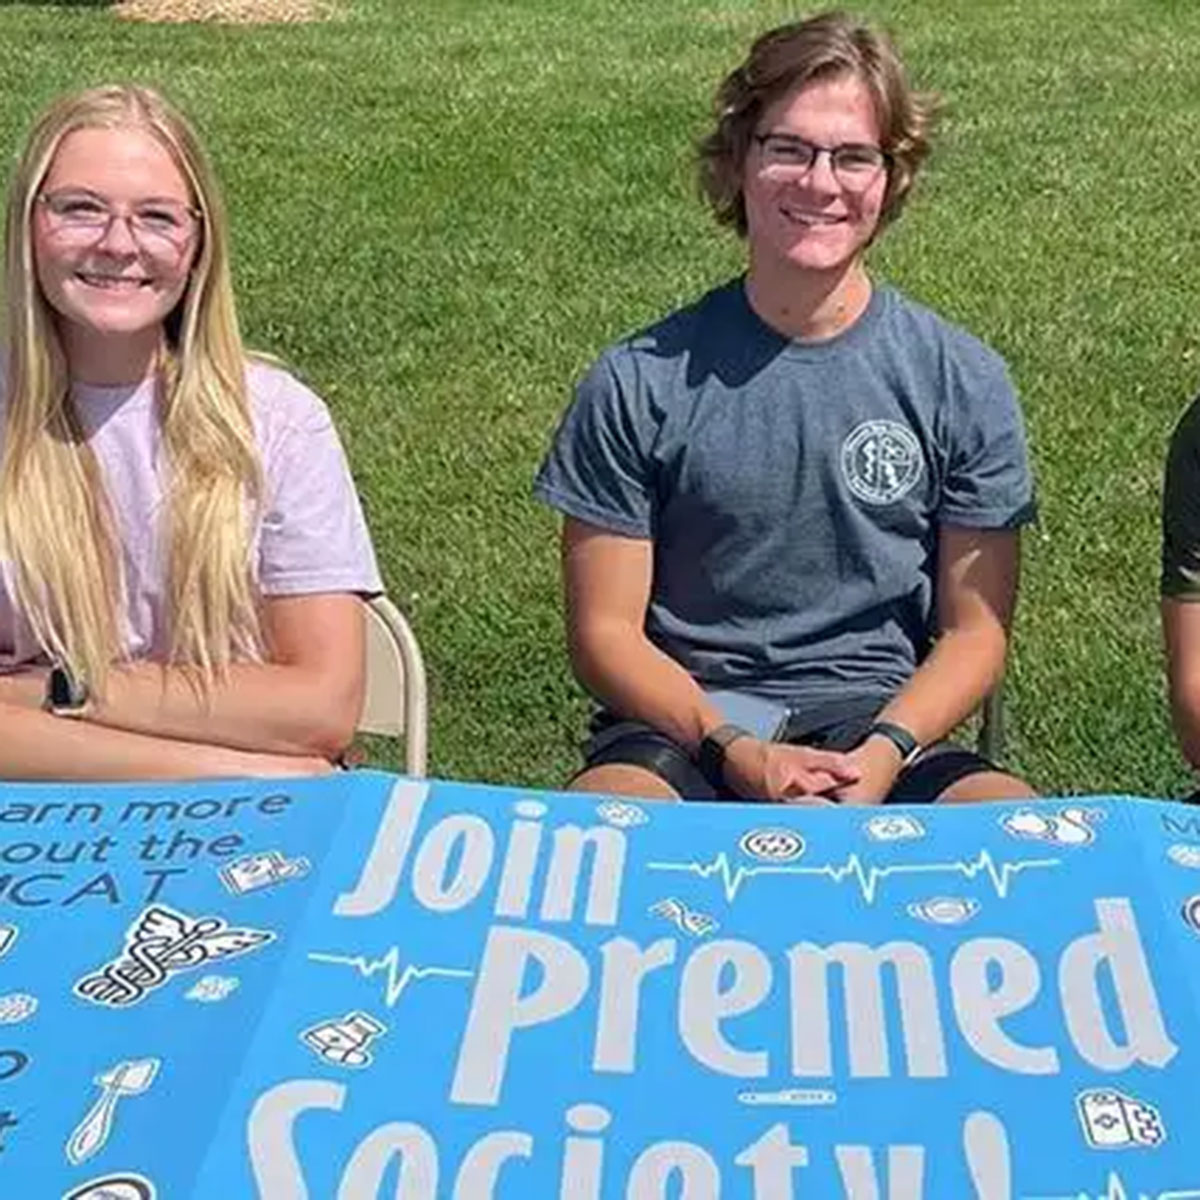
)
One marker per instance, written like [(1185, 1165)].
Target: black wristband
[(710, 754), (904, 741)]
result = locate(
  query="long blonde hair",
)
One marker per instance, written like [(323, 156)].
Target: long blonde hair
[(56, 527)]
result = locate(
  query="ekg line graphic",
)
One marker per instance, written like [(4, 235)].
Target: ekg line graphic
[(397, 978), (868, 877), (1115, 1190)]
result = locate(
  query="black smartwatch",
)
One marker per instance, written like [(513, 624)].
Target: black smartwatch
[(710, 754), (904, 741), (66, 695)]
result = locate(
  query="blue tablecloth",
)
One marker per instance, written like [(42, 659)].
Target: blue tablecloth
[(369, 986)]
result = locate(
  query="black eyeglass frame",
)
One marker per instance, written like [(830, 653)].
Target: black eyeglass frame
[(886, 158)]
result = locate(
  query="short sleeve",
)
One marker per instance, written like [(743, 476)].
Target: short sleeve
[(312, 535), (1181, 510), (599, 467), (987, 482)]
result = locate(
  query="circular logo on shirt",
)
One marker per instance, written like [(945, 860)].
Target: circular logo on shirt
[(881, 461)]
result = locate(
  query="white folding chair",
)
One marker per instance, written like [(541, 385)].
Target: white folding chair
[(396, 700)]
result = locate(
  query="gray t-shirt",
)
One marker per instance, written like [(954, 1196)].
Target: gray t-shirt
[(793, 491)]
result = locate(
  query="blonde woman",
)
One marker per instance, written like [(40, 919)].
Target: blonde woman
[(181, 547)]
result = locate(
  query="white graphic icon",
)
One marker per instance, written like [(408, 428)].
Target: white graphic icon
[(125, 1079), (160, 943), (1062, 827), (1115, 1121), (17, 1007), (881, 461), (799, 1097), (211, 989), (1191, 912), (685, 919), (8, 936), (1183, 855), (124, 1186), (396, 975), (254, 872), (345, 1041), (1116, 1187), (944, 910), (866, 875), (621, 814), (894, 827), (772, 845)]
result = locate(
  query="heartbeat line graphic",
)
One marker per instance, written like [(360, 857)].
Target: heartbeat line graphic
[(1115, 1190), (868, 877), (397, 978)]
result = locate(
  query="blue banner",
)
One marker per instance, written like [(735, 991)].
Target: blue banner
[(372, 987)]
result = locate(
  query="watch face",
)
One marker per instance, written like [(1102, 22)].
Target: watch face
[(60, 688), (63, 692)]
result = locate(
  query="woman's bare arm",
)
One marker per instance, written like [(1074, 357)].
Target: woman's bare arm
[(305, 701)]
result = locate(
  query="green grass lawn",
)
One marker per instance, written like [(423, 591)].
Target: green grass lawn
[(442, 211)]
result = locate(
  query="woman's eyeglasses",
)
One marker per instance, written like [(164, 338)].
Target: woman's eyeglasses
[(156, 225)]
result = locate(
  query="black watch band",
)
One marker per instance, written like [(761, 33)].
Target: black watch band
[(710, 754), (904, 741)]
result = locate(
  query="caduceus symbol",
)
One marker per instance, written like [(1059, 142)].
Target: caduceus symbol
[(161, 943)]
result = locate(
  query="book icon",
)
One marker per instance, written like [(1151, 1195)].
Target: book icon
[(1112, 1120), (257, 871)]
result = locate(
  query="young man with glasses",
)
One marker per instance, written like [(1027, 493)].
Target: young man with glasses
[(792, 508)]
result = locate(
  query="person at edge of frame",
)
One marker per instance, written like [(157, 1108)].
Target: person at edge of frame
[(184, 553), (792, 508), (1180, 583)]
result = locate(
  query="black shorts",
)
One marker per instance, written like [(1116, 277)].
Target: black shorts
[(833, 726)]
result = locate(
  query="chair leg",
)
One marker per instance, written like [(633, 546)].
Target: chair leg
[(991, 727)]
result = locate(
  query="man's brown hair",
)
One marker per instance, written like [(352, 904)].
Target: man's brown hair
[(824, 47)]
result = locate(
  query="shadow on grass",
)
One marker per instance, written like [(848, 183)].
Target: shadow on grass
[(60, 3)]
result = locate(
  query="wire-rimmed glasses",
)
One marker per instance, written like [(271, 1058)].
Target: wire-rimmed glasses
[(162, 227), (855, 165)]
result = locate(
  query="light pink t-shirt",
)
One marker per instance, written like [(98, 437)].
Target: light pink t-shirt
[(310, 535)]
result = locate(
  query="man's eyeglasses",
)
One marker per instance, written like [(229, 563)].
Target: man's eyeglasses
[(855, 165), (156, 225)]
